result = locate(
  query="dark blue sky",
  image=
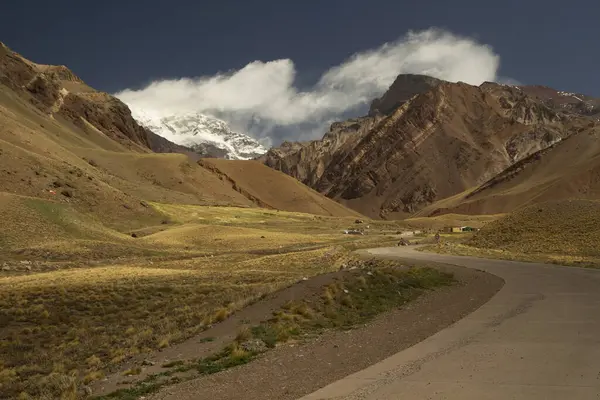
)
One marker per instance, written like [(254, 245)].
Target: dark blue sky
[(114, 45)]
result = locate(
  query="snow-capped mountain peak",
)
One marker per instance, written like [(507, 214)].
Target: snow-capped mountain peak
[(198, 131)]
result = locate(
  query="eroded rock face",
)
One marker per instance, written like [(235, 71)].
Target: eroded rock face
[(106, 113), (14, 71), (55, 90), (402, 90), (568, 102), (46, 89), (308, 161), (443, 139), (159, 144)]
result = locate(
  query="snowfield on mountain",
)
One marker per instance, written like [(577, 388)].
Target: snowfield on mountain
[(197, 131)]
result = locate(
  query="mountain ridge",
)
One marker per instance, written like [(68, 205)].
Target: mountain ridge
[(444, 138), (62, 142)]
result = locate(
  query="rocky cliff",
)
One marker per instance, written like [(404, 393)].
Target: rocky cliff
[(59, 93), (402, 90), (308, 161), (442, 139)]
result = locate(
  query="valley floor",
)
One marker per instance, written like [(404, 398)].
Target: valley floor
[(82, 299)]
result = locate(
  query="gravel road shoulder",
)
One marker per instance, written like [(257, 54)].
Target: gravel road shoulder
[(295, 369)]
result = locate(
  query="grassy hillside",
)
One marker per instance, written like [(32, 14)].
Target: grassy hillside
[(570, 227), (564, 232), (568, 169), (274, 189), (56, 161)]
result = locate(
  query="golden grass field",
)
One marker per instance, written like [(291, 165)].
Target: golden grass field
[(356, 297), (563, 232), (109, 250), (91, 296)]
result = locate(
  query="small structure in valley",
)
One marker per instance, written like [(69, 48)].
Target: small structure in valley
[(458, 229)]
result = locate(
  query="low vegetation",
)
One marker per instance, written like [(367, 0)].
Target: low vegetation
[(65, 324), (355, 299), (562, 232), (445, 220)]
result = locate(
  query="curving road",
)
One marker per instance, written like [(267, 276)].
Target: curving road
[(538, 338)]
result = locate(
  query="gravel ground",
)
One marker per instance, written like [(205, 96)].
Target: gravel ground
[(295, 369)]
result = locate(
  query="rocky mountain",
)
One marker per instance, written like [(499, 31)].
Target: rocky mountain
[(206, 136), (571, 102), (441, 139), (565, 170), (307, 161), (402, 90), (58, 92), (64, 144)]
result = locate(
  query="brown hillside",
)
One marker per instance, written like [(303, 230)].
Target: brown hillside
[(569, 227), (569, 169), (63, 142), (440, 142), (273, 189)]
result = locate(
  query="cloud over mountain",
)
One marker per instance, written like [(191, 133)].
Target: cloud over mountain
[(263, 100)]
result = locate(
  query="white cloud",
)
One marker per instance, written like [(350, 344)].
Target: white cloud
[(262, 100)]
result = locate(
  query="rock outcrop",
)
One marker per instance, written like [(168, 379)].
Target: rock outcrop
[(402, 90), (57, 91), (442, 139), (308, 161)]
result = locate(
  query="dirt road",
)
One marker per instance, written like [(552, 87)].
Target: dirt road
[(537, 338), (296, 369)]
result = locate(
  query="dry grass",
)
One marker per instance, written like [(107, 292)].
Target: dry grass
[(568, 227), (74, 323), (441, 221), (470, 251), (355, 299), (46, 230), (79, 293), (83, 320), (562, 232)]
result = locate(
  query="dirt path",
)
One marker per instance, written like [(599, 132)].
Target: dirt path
[(293, 370), (215, 338)]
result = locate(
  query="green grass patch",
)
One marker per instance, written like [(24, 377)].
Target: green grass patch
[(355, 300)]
